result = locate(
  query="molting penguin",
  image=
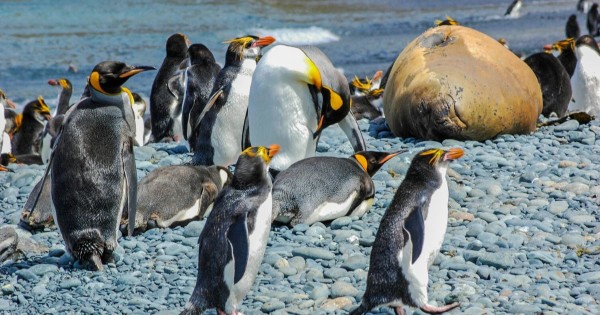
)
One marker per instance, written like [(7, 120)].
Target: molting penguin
[(514, 9), (586, 79), (167, 91), (233, 241), (201, 76), (592, 21), (163, 202), (554, 81), (572, 27), (410, 235), (296, 92), (324, 188), (26, 139), (367, 99), (93, 167), (62, 105), (219, 128), (139, 109), (567, 58)]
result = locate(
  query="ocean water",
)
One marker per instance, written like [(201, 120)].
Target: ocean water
[(41, 39)]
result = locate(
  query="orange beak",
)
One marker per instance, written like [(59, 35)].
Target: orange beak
[(454, 154), (264, 41), (273, 149)]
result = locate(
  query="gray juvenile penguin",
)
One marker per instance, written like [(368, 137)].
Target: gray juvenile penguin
[(93, 167), (409, 237)]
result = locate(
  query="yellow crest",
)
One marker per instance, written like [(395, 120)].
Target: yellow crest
[(436, 155), (239, 44), (448, 21), (376, 92), (360, 85), (42, 107), (563, 44)]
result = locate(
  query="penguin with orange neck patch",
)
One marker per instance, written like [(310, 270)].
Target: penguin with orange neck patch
[(93, 167), (324, 188)]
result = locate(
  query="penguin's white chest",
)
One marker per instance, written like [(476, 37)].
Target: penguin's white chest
[(139, 129), (226, 136), (330, 210), (586, 82), (6, 146)]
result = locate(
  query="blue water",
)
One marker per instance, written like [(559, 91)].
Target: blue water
[(40, 39)]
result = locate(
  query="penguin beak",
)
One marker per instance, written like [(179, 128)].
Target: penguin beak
[(319, 127), (263, 41), (135, 70), (52, 82), (453, 154), (273, 150), (390, 156), (11, 104), (3, 168), (548, 48)]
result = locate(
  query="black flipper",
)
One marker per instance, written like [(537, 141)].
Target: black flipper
[(130, 184), (414, 225), (211, 102), (238, 238), (246, 133), (175, 85)]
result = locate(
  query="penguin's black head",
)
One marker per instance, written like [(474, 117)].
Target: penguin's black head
[(177, 46), (565, 44), (447, 21), (38, 110), (252, 166), (372, 161), (7, 158), (336, 101), (246, 47), (108, 76), (573, 18), (587, 41), (65, 84), (428, 161), (200, 54)]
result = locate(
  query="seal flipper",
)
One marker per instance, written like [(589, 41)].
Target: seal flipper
[(414, 226), (237, 235), (352, 131), (130, 184)]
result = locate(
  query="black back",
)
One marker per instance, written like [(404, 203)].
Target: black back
[(554, 82), (568, 59), (592, 21)]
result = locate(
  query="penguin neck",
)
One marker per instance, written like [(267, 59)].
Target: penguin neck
[(118, 99), (63, 101)]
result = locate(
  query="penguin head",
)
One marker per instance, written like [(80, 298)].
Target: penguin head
[(336, 101), (372, 161), (5, 101), (139, 105), (447, 21), (200, 54), (108, 76), (252, 166), (37, 110), (7, 158), (561, 45), (65, 84), (177, 46), (585, 42), (431, 161), (246, 47)]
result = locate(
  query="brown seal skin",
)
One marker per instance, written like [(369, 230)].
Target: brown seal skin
[(455, 82)]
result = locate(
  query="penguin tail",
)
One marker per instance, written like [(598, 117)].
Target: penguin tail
[(191, 309), (88, 247), (360, 310)]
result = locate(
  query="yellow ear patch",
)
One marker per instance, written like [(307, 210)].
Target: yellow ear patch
[(314, 75), (362, 160), (335, 99), (95, 82), (436, 154)]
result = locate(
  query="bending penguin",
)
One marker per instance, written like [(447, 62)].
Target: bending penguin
[(33, 117), (163, 202), (93, 167), (324, 188), (201, 75), (167, 91), (296, 93), (586, 78), (233, 241), (219, 127), (409, 237)]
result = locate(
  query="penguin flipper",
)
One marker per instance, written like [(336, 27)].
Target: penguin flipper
[(211, 102), (130, 184), (175, 85), (414, 226), (352, 131), (237, 235), (246, 133)]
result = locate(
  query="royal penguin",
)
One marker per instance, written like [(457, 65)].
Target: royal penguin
[(26, 139), (324, 188), (513, 10), (62, 105), (163, 202), (447, 21), (200, 76), (296, 93), (167, 92), (592, 20), (409, 237), (219, 127), (367, 97), (586, 79), (233, 241), (93, 174), (572, 27), (139, 109), (566, 54), (554, 81)]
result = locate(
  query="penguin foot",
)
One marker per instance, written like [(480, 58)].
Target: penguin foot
[(430, 309), (399, 310), (221, 312)]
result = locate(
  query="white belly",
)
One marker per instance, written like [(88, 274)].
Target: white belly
[(330, 210), (139, 129), (586, 82), (363, 207), (6, 146), (182, 215)]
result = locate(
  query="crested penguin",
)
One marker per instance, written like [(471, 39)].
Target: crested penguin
[(367, 99), (586, 79), (566, 50), (12, 124), (26, 138), (324, 188), (447, 21), (233, 241), (167, 91), (554, 81), (163, 202), (409, 237), (219, 128), (592, 20), (93, 175), (296, 92), (572, 27), (201, 76), (514, 9), (62, 105), (139, 109)]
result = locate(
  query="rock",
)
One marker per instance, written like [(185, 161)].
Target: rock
[(335, 273), (331, 305), (27, 275), (342, 288), (317, 291), (569, 125), (355, 262), (42, 269), (143, 153), (558, 207), (591, 277), (497, 260), (271, 306), (340, 223), (313, 253), (194, 228), (70, 283)]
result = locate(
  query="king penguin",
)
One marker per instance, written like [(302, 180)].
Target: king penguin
[(27, 138), (409, 237), (62, 105), (167, 92), (233, 241), (324, 188), (572, 27), (163, 202), (201, 76), (296, 93), (93, 175), (220, 126), (554, 81), (586, 79)]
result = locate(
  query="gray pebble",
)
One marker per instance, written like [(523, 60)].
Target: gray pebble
[(313, 253), (70, 283), (340, 223), (342, 288)]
